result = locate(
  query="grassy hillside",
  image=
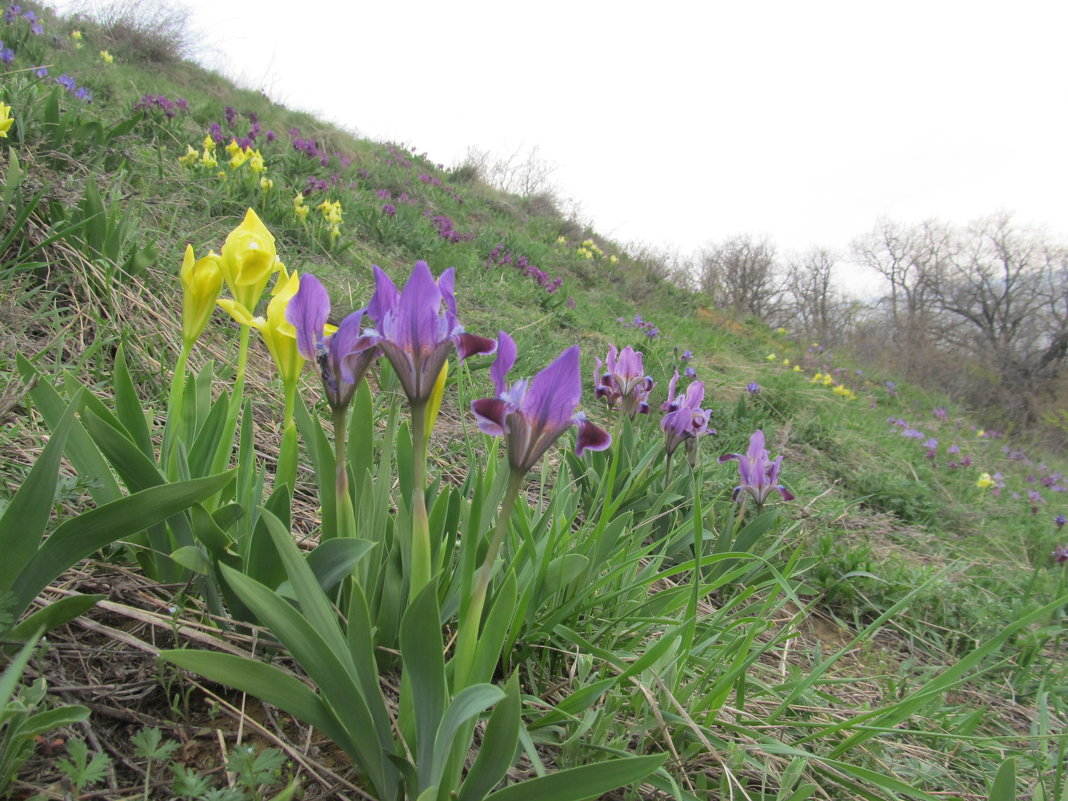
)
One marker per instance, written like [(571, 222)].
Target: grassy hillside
[(620, 623)]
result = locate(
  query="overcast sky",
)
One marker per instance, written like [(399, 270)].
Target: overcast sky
[(676, 123)]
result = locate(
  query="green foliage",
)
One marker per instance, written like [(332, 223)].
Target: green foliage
[(21, 715), (82, 770)]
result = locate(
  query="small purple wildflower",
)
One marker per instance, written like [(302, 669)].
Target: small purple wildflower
[(753, 388), (758, 475), (1060, 520), (389, 210), (1060, 554)]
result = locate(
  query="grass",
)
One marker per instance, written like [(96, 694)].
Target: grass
[(898, 635)]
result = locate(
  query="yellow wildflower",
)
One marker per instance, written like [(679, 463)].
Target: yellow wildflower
[(785, 362), (561, 240), (238, 158), (106, 57), (255, 162), (209, 144), (190, 157), (331, 211), (797, 368), (771, 357), (613, 259), (232, 147), (5, 120), (248, 259), (780, 330), (985, 482), (266, 184), (76, 35), (208, 160), (202, 281)]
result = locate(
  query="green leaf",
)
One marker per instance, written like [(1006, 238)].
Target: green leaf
[(137, 471), (355, 723), (495, 631), (53, 719), (55, 614), (128, 406), (24, 520), (422, 653), (266, 682), (498, 749), (1004, 787), (585, 781), (82, 536), (207, 439), (335, 559), (192, 558), (561, 572), (468, 703), (206, 529), (9, 679), (83, 454)]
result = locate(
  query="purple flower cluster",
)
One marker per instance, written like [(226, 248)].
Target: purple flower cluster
[(389, 210), (15, 12), (397, 157), (499, 257), (313, 185), (446, 229), (150, 103), (7, 55), (71, 86), (650, 330)]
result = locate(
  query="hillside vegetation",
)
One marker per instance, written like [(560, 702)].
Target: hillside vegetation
[(277, 525)]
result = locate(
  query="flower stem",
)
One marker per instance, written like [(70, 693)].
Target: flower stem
[(286, 471), (346, 518), (420, 567), (467, 634), (175, 403)]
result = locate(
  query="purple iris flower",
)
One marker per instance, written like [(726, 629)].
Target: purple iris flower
[(753, 388), (912, 433), (1060, 520), (1034, 499), (623, 381), (532, 415), (415, 332), (757, 474), (1060, 554), (341, 362), (685, 420), (7, 55)]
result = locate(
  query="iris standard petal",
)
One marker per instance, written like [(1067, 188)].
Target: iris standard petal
[(555, 391), (307, 312), (506, 353), (385, 297)]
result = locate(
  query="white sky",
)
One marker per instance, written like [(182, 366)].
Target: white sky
[(676, 123)]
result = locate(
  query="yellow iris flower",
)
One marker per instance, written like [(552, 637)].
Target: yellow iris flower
[(5, 120), (248, 259), (201, 283)]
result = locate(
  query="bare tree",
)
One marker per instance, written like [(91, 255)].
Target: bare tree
[(518, 173), (741, 274), (812, 305), (910, 259), (1004, 296)]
